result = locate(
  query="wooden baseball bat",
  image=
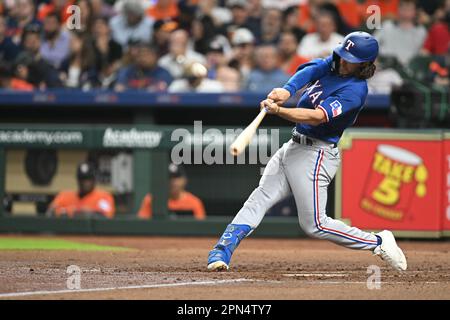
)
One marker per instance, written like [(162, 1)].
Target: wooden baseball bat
[(246, 136)]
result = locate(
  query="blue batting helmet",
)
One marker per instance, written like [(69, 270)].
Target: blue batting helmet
[(358, 47)]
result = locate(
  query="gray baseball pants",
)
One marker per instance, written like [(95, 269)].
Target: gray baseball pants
[(305, 171)]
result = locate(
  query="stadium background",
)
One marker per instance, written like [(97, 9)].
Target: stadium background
[(55, 76), (109, 81), (161, 65)]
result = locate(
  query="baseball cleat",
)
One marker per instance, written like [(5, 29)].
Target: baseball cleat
[(218, 266), (219, 257), (390, 252)]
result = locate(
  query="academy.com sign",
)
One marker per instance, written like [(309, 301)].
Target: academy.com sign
[(40, 137), (131, 138)]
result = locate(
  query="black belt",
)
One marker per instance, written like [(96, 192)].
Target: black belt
[(306, 140)]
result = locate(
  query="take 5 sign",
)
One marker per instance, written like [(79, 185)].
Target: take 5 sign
[(392, 180)]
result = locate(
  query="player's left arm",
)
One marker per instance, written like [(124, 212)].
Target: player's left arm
[(298, 115), (330, 108)]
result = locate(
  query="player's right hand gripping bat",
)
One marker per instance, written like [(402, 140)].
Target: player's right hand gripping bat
[(246, 136)]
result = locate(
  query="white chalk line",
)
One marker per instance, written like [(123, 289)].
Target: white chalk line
[(149, 286), (365, 282), (307, 275), (198, 283)]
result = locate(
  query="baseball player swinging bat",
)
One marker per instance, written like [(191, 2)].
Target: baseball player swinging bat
[(336, 90)]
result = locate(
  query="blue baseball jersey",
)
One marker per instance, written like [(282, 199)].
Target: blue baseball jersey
[(340, 98)]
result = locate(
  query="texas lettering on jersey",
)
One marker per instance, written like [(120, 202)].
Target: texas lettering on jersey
[(314, 93), (313, 96), (340, 98)]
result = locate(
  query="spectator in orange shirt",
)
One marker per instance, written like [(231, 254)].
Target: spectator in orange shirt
[(9, 81), (59, 6), (352, 11), (163, 9), (86, 201), (179, 198), (307, 11), (388, 8)]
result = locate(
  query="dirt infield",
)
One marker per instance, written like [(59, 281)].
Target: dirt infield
[(174, 268)]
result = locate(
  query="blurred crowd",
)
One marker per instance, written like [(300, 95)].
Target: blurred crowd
[(205, 45)]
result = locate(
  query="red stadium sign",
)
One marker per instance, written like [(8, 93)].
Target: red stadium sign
[(446, 186), (391, 181)]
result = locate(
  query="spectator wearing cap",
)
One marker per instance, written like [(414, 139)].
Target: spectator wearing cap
[(240, 18), (161, 35), (80, 69), (179, 54), (215, 55), (402, 39), (56, 44), (289, 58), (144, 74), (267, 74), (195, 80), (179, 198), (243, 43), (322, 42), (8, 49), (163, 9), (39, 73), (131, 23), (86, 201)]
